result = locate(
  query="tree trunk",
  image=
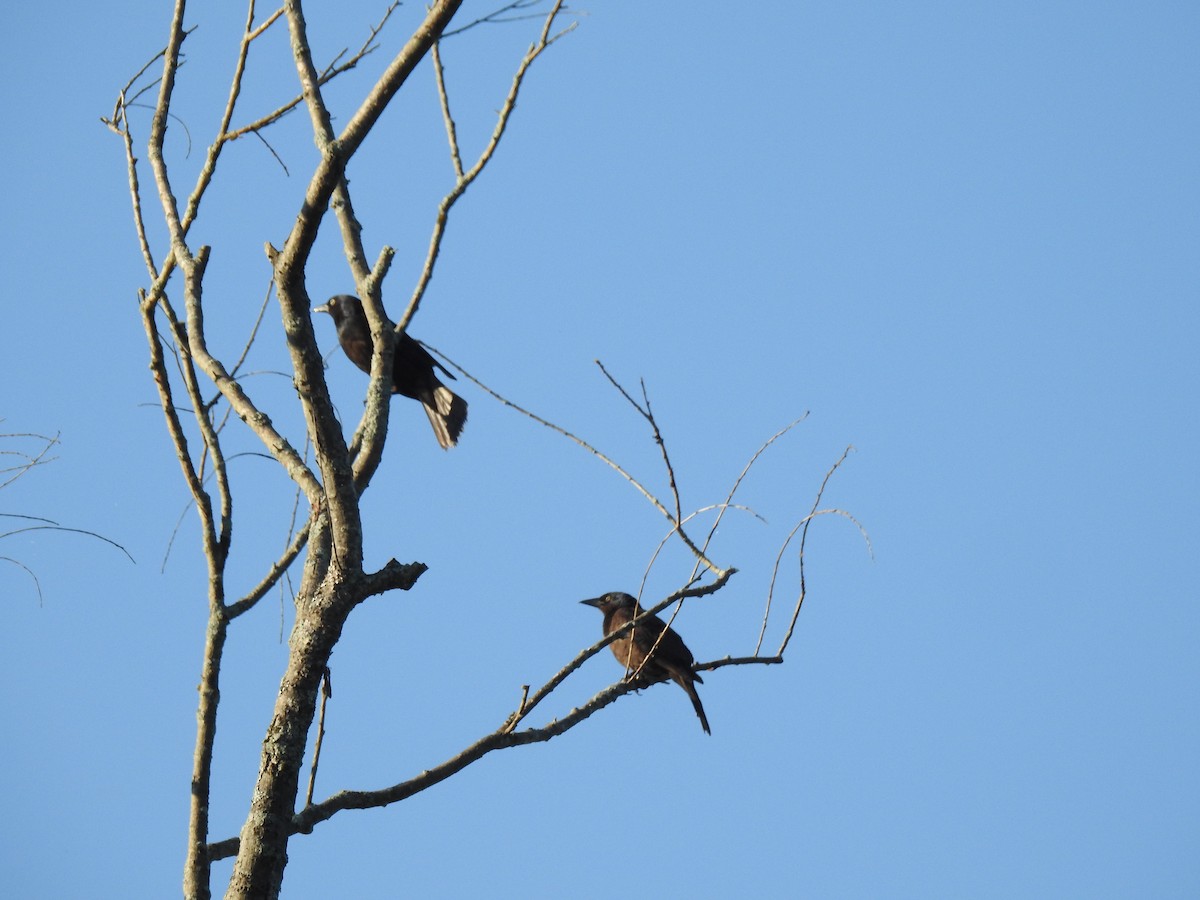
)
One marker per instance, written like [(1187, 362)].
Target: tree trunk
[(258, 871)]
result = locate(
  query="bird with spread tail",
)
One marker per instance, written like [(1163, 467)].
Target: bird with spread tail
[(413, 368), (650, 646)]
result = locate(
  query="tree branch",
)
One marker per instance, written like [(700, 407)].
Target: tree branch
[(464, 180), (505, 736), (803, 525)]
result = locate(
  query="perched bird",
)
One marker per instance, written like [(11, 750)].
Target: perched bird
[(671, 659), (413, 368)]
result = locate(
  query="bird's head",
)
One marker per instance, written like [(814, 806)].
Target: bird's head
[(610, 601), (341, 306)]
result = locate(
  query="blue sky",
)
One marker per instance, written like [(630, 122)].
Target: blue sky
[(962, 238)]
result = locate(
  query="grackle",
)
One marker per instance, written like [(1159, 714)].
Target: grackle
[(671, 659), (413, 372)]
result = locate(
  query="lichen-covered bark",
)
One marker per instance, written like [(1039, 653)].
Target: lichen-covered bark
[(258, 872)]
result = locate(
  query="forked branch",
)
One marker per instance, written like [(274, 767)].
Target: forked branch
[(505, 736), (464, 179), (716, 570)]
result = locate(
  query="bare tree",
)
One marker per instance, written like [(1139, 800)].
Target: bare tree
[(200, 392)]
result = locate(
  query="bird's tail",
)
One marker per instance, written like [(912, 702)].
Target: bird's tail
[(447, 414), (696, 704)]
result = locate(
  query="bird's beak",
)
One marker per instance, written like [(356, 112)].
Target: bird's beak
[(324, 307), (595, 601)]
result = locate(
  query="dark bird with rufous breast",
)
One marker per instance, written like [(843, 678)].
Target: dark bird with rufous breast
[(650, 648), (414, 370)]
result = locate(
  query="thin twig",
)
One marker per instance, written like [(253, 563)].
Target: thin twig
[(204, 179), (745, 471), (98, 537), (277, 570), (738, 661), (30, 461), (803, 527), (28, 571), (119, 108), (464, 181), (331, 71), (494, 17), (254, 329), (647, 414), (26, 518), (139, 221), (326, 693), (607, 460), (670, 534), (443, 97)]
